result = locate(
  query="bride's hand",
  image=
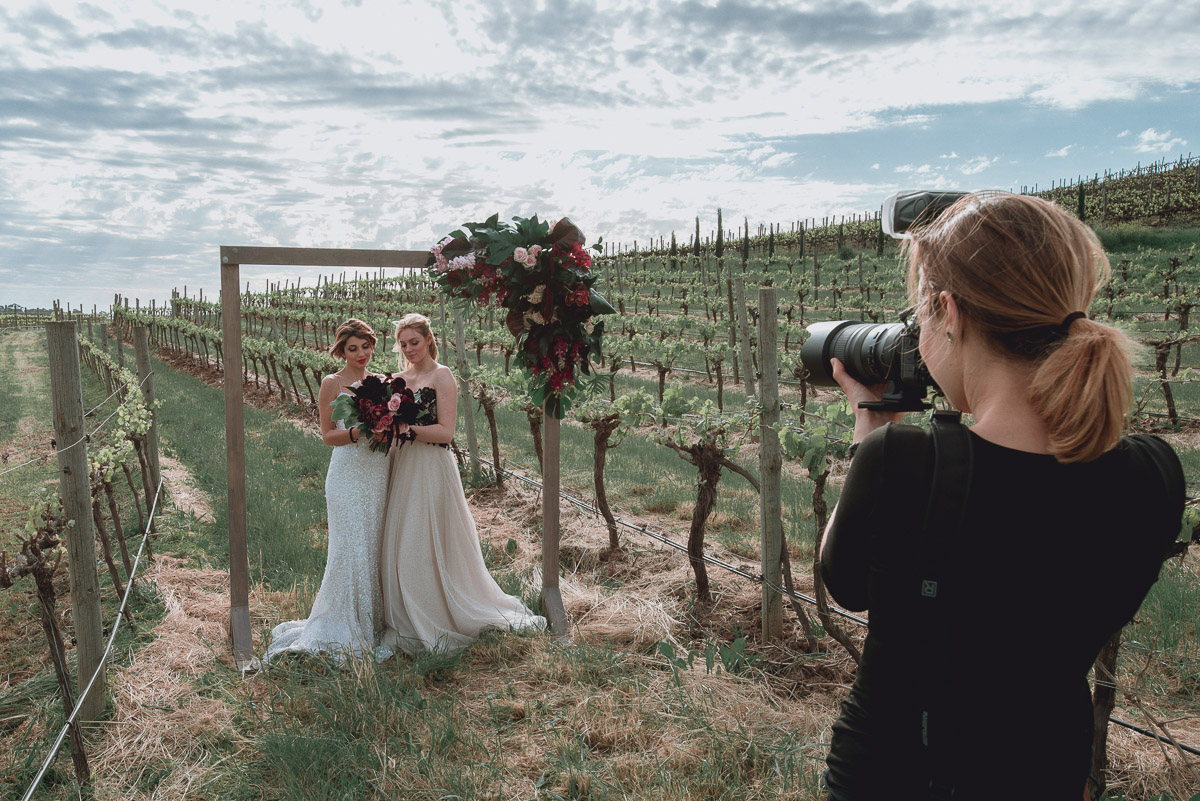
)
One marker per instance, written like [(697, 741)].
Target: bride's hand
[(403, 429)]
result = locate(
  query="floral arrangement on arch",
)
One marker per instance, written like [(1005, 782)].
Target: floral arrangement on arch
[(540, 273)]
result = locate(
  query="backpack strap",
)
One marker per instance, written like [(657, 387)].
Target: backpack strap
[(944, 515)]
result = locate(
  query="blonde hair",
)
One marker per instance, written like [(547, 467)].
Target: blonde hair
[(420, 324), (351, 328), (1018, 268)]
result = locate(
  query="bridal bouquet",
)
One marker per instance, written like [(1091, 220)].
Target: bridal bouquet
[(377, 408), (540, 273)]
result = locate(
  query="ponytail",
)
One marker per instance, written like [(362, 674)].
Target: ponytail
[(1083, 390), (1023, 271)]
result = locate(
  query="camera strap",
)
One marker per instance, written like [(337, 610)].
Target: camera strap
[(944, 515)]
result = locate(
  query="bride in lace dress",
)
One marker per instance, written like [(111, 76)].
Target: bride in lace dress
[(437, 592), (345, 614)]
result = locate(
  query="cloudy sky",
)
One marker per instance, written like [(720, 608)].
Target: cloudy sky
[(137, 137)]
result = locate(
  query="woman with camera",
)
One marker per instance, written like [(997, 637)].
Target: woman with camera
[(975, 685)]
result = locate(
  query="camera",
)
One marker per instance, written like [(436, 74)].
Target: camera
[(881, 353), (873, 353)]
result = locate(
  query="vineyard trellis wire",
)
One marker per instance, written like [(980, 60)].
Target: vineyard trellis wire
[(116, 624)]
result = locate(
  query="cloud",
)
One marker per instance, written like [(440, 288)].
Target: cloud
[(158, 132), (1158, 144), (1062, 152), (976, 165)]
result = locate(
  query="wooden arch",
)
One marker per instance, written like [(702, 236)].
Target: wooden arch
[(235, 430)]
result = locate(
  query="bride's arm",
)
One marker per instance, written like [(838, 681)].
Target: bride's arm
[(446, 389), (331, 435)]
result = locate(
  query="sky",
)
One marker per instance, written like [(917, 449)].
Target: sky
[(138, 137)]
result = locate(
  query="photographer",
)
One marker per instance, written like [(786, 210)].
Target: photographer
[(975, 686)]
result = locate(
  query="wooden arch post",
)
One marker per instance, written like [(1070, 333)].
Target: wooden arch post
[(235, 431)]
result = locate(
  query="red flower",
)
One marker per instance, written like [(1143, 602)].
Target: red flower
[(579, 297)]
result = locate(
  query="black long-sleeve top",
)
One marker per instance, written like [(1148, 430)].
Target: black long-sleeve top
[(1050, 561)]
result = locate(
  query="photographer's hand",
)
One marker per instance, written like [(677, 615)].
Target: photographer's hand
[(865, 420)]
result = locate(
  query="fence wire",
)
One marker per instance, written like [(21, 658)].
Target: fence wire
[(62, 734), (87, 437)]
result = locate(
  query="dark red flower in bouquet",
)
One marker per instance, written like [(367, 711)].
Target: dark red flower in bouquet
[(378, 406)]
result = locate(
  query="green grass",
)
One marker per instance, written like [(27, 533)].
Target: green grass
[(285, 478), (578, 722), (1129, 238)]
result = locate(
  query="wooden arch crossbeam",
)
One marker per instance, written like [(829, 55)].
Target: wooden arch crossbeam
[(235, 431)]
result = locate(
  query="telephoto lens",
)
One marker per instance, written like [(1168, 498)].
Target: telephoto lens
[(873, 353)]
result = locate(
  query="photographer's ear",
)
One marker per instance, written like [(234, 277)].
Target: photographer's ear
[(951, 318)]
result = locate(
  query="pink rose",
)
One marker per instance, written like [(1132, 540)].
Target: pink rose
[(531, 260), (393, 403), (536, 249), (520, 254), (384, 423)]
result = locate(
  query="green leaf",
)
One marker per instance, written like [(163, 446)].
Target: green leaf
[(599, 305)]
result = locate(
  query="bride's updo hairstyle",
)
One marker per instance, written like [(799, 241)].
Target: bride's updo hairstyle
[(420, 324), (351, 328), (1023, 272)]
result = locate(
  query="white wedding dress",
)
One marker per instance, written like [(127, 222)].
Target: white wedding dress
[(345, 613), (437, 592)]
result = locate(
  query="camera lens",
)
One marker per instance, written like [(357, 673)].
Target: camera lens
[(867, 350)]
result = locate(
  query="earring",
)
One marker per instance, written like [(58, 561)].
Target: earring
[(949, 337)]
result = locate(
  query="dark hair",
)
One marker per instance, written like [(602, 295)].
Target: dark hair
[(351, 328), (1018, 267)]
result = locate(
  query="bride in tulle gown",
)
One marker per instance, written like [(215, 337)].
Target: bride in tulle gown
[(345, 615), (437, 592)]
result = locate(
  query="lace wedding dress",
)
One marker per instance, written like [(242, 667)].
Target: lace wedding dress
[(345, 614), (437, 592)]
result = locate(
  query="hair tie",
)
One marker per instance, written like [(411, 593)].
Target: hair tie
[(1065, 325)]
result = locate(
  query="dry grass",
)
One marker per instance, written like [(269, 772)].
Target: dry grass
[(188, 499), (159, 717)]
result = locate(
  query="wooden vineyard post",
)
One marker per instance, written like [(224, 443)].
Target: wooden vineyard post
[(552, 604), (120, 334), (770, 465), (235, 468), (141, 349), (733, 354), (75, 488), (743, 322), (463, 369), (442, 328)]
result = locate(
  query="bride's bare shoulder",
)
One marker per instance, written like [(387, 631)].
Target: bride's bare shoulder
[(443, 376)]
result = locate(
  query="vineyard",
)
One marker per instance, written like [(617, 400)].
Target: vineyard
[(674, 685)]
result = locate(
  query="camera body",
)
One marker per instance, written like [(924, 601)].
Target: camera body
[(881, 353)]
